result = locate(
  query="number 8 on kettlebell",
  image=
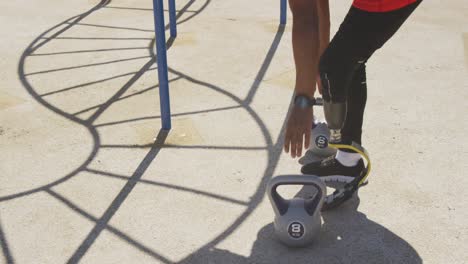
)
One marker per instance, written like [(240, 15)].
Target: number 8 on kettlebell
[(297, 221)]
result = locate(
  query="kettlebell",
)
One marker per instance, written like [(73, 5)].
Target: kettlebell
[(320, 136), (298, 220)]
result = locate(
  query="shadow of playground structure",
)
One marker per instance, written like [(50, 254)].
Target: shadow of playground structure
[(272, 147)]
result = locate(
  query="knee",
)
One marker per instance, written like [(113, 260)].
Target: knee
[(336, 74), (330, 77)]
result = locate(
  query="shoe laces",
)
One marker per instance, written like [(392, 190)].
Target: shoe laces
[(329, 161)]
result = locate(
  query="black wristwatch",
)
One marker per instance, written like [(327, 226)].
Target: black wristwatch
[(303, 101)]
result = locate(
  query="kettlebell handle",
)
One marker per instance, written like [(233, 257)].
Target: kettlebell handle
[(280, 205)]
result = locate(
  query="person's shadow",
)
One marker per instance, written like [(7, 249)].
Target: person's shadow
[(347, 236)]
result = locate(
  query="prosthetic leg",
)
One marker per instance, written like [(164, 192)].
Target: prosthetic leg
[(335, 114)]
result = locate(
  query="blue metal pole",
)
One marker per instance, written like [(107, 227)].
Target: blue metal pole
[(284, 12), (173, 18), (159, 26)]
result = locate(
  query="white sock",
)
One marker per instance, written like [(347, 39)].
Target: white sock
[(348, 159)]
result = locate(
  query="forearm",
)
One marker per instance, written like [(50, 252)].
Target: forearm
[(324, 24), (306, 44)]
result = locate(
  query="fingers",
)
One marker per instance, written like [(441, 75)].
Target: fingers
[(287, 141), (302, 141), (296, 144), (293, 146), (299, 147), (298, 130), (295, 141)]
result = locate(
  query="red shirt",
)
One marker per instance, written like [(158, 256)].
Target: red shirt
[(381, 5)]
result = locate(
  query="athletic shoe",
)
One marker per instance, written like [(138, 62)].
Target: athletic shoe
[(331, 170)]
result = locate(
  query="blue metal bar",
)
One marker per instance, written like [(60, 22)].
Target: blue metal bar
[(173, 18), (161, 53), (284, 12)]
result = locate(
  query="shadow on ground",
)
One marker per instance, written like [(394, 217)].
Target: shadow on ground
[(347, 236)]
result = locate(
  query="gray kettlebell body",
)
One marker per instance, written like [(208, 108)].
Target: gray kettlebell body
[(320, 136), (298, 220)]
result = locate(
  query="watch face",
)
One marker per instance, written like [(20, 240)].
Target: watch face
[(302, 102)]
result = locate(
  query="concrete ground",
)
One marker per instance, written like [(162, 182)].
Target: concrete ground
[(83, 181)]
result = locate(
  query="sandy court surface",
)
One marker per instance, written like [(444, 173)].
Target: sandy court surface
[(87, 176)]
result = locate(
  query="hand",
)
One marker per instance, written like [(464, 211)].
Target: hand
[(298, 130)]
